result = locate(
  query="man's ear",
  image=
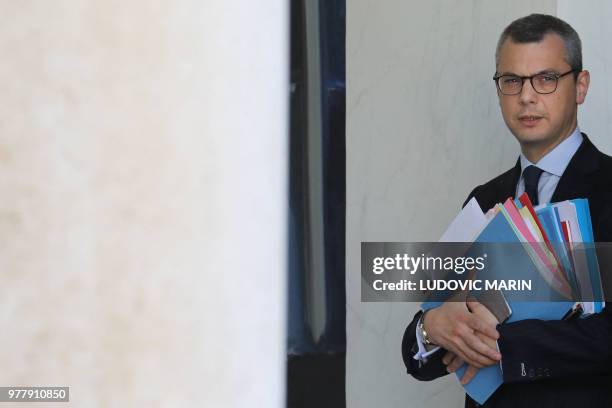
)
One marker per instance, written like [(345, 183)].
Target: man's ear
[(582, 86), (499, 95)]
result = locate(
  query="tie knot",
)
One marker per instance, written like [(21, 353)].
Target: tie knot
[(531, 176)]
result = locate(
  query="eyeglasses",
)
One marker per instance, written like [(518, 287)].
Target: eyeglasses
[(544, 83)]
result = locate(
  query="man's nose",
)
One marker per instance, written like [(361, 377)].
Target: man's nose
[(528, 94)]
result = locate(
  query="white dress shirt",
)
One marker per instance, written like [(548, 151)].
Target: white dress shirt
[(553, 165)]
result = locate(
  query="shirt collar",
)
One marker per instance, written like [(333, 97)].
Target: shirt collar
[(555, 161)]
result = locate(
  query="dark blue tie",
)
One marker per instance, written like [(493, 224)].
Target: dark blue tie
[(531, 177)]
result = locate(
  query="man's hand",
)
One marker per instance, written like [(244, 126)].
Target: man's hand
[(453, 327), (453, 362), (479, 310)]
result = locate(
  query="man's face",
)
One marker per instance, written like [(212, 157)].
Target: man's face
[(540, 121)]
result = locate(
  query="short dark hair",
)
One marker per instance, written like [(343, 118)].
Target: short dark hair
[(534, 27)]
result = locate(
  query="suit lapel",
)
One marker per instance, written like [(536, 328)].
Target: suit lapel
[(576, 181), (510, 183)]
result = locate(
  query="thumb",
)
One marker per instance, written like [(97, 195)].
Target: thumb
[(473, 305)]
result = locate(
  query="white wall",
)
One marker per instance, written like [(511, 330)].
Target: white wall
[(592, 22), (143, 212)]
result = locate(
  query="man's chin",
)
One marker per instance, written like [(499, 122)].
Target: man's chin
[(535, 135), (530, 139)]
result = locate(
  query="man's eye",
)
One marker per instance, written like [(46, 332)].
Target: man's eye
[(546, 78), (510, 80)]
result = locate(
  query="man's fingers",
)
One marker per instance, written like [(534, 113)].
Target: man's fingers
[(472, 349), (467, 354), (482, 348), (454, 365), (469, 374), (448, 357), (478, 324), (458, 348), (452, 361)]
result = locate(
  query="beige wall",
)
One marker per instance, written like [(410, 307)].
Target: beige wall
[(142, 164)]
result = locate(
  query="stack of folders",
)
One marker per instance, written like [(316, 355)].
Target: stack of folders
[(548, 235)]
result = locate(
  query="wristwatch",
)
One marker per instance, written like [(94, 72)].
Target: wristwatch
[(424, 336)]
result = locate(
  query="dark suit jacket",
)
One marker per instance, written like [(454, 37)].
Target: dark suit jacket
[(566, 363)]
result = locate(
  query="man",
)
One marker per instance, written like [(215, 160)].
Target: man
[(540, 83)]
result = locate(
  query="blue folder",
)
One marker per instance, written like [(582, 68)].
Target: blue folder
[(508, 264), (503, 264), (586, 230), (549, 218)]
